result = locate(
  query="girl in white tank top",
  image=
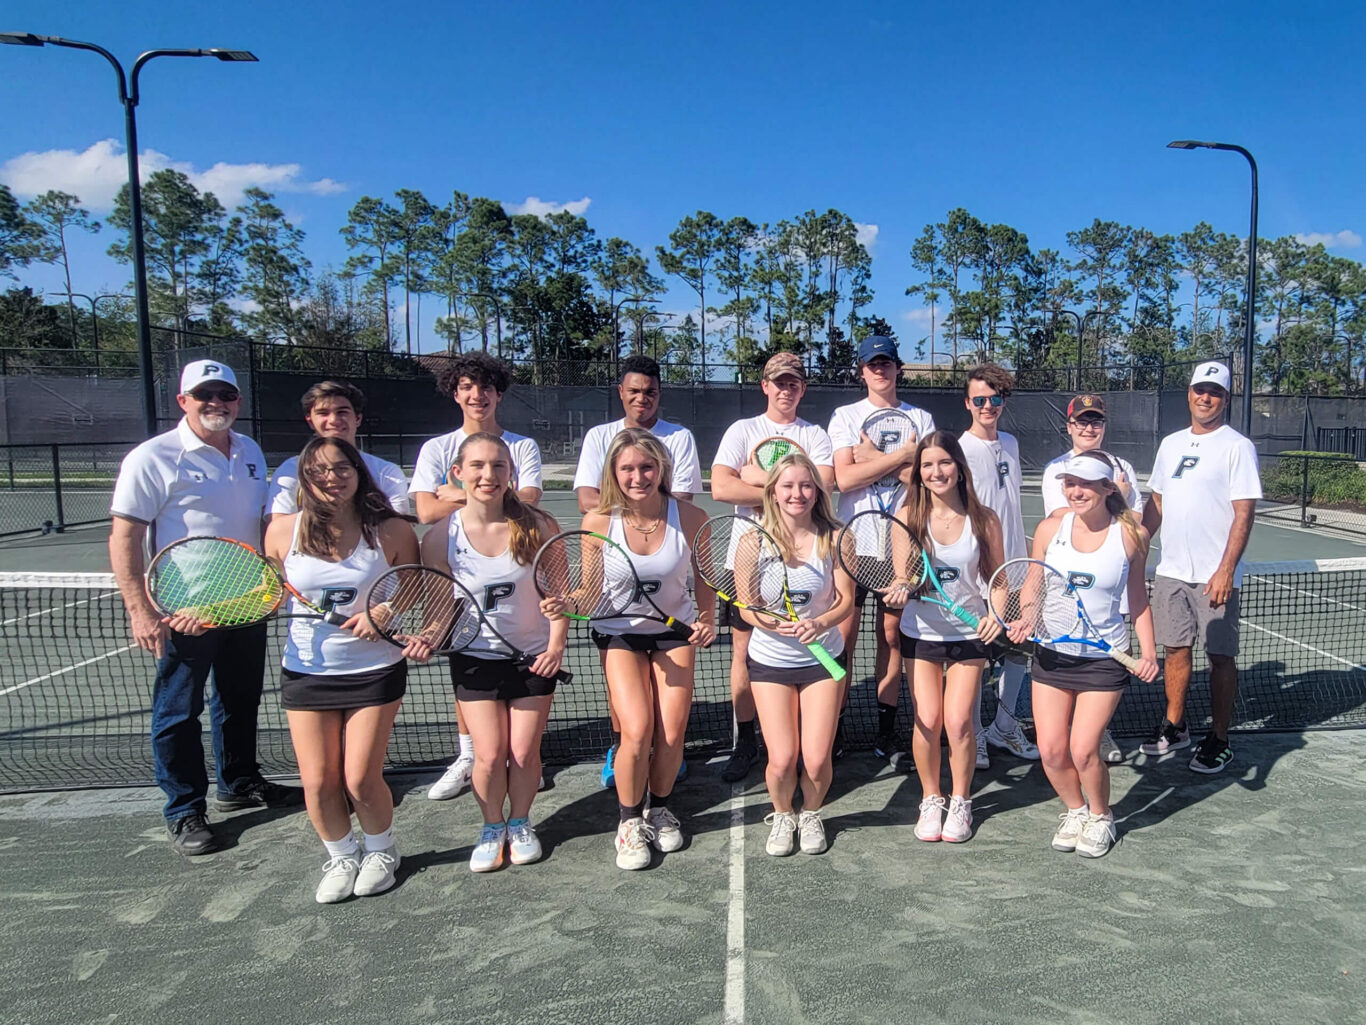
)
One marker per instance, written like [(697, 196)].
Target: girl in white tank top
[(798, 516), (636, 511), (1101, 547), (343, 537), (963, 540), (489, 546)]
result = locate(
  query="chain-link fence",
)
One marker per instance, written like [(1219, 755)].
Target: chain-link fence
[(51, 487), (1314, 489)]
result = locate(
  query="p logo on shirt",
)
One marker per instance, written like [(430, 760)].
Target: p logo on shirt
[(494, 593), (946, 575), (1187, 463), (335, 597), (646, 587), (1080, 581), (800, 599)]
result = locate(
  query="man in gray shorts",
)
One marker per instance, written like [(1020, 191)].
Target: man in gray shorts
[(1205, 488)]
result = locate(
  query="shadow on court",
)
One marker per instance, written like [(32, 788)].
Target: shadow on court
[(1238, 897)]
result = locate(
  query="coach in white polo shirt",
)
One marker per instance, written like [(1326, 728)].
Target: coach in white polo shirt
[(1205, 488), (639, 392), (201, 478)]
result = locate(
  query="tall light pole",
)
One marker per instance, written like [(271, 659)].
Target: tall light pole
[(128, 96), (1249, 316)]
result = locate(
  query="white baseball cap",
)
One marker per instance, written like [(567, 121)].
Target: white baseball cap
[(1213, 372), (202, 371), (1087, 468)]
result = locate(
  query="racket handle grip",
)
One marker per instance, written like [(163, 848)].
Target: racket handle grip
[(965, 616), (1125, 659), (683, 631), (828, 660), (335, 618)]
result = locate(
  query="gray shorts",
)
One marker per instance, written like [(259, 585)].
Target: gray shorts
[(1182, 615)]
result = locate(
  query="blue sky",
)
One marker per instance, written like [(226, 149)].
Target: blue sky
[(1041, 115)]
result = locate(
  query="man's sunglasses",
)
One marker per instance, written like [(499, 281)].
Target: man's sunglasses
[(221, 394), (981, 400)]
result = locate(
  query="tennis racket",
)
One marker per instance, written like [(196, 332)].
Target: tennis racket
[(767, 453), (1033, 592), (423, 603), (884, 556), (889, 430), (223, 583), (596, 579), (742, 563)]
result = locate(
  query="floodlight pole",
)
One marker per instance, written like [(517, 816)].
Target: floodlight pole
[(128, 97), (1249, 316)]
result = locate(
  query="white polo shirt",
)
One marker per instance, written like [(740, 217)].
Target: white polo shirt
[(181, 486), (996, 478), (1199, 477), (678, 440), (437, 456), (389, 478), (742, 436)]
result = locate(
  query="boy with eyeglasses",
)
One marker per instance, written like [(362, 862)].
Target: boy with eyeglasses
[(994, 459), (1086, 427), (334, 409)]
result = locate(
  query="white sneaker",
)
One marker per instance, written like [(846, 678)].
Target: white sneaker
[(812, 831), (930, 826), (782, 834), (633, 844), (1097, 836), (1012, 740), (1073, 819), (668, 831), (958, 824), (488, 851), (378, 871), (455, 779), (983, 759), (339, 879), (541, 785), (524, 846), (1110, 753)]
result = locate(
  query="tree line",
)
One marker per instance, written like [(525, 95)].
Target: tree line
[(549, 288)]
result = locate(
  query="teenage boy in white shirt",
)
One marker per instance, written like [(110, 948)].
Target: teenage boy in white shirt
[(859, 464), (994, 459), (737, 480)]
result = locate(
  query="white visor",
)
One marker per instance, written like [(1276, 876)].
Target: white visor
[(1086, 468)]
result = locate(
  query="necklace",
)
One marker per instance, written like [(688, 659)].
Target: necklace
[(644, 530)]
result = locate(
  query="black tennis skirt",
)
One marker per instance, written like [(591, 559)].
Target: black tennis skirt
[(1075, 673), (325, 692), (644, 643), (792, 676), (498, 679), (967, 649)]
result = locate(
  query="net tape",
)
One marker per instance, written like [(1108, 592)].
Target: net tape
[(75, 694)]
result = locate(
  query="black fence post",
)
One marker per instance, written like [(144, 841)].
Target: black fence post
[(57, 487), (1304, 492)]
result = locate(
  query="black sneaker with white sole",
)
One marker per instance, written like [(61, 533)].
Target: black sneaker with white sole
[(1167, 737), (1212, 755), (259, 793)]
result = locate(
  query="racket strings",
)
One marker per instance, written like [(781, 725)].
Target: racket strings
[(884, 554), (767, 453), (1036, 594), (218, 582), (593, 577), (412, 602)]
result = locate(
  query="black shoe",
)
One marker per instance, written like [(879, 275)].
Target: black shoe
[(837, 748), (1167, 737), (259, 793), (1211, 756), (192, 835), (886, 745), (740, 760)]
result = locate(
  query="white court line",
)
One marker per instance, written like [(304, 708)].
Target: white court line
[(1307, 647), (58, 608), (735, 913), (67, 669), (1308, 594)]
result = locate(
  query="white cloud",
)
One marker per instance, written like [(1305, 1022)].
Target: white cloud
[(542, 207), (1344, 239), (867, 234), (920, 318), (97, 173)]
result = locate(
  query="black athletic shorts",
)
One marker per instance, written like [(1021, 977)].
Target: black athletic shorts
[(325, 692), (497, 679), (967, 649), (643, 643)]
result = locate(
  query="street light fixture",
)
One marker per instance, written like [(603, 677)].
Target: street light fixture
[(128, 96), (1249, 316), (94, 301)]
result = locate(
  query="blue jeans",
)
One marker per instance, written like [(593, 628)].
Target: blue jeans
[(236, 658)]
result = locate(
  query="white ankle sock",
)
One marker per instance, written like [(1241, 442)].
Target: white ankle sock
[(346, 845)]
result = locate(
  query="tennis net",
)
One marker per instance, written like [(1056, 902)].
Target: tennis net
[(75, 694)]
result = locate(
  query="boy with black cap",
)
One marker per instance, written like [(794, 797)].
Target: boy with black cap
[(1205, 487), (860, 462)]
